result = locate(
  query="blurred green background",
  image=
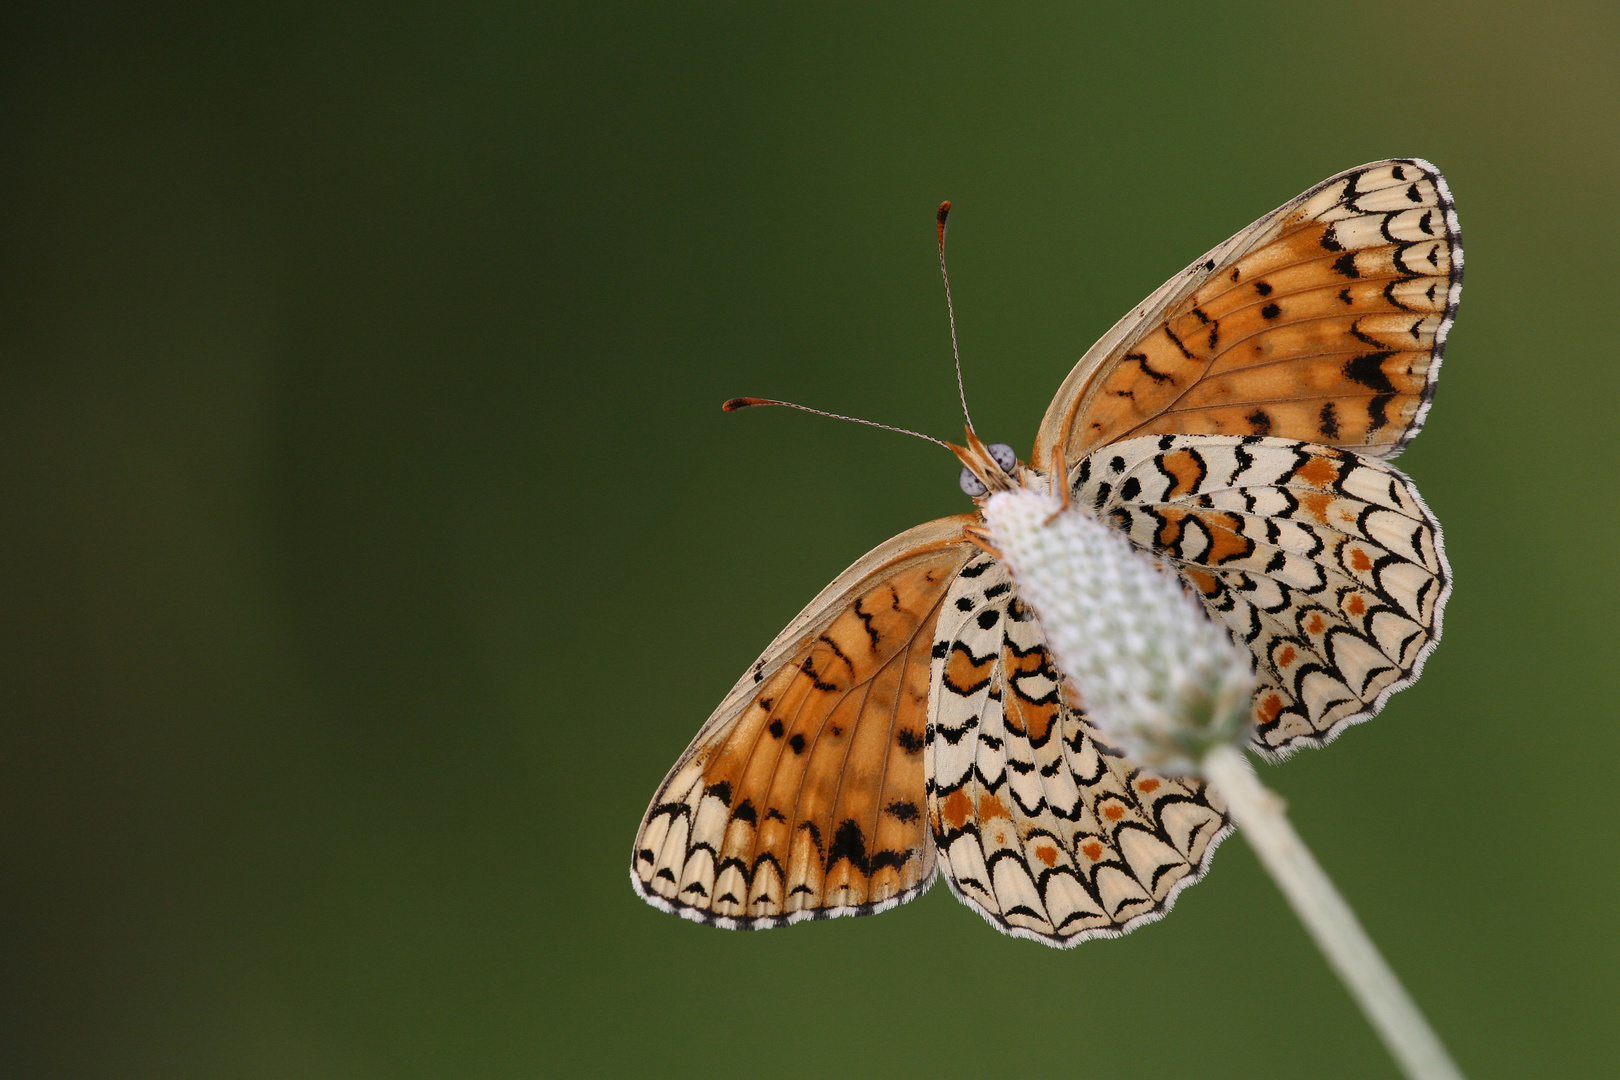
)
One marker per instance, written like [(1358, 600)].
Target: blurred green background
[(373, 540)]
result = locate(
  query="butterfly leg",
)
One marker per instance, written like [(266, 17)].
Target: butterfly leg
[(980, 539), (1058, 480)]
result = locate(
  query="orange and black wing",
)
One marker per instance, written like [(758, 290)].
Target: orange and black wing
[(1327, 565), (1042, 827), (1324, 322), (803, 795)]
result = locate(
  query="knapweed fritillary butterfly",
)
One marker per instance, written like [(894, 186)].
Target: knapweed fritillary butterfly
[(1236, 425)]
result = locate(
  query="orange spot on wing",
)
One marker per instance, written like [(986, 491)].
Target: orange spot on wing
[(1035, 718), (1318, 472), (1225, 542), (956, 808), (1286, 657), (1148, 785), (1047, 855), (992, 807), (1187, 471), (1204, 580), (1170, 528), (1316, 504), (1092, 851), (1359, 559), (1113, 811), (1315, 625), (1356, 605), (1270, 707), (963, 674)]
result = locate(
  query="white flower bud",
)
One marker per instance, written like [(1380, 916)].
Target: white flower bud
[(1144, 660)]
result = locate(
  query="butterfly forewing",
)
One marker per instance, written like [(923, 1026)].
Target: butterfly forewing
[(1326, 564), (803, 795), (1044, 830), (1324, 321)]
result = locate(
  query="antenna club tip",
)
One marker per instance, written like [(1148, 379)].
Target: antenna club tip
[(733, 404), (944, 211)]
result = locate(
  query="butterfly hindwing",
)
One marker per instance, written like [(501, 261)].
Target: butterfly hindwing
[(1043, 829), (803, 795), (1323, 321), (1327, 564)]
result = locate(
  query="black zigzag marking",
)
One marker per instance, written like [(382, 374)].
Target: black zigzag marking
[(954, 735), (673, 809)]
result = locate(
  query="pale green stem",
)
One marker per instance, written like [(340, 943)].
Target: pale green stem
[(1335, 928)]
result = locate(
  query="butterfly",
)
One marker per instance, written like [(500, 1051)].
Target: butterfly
[(1235, 425)]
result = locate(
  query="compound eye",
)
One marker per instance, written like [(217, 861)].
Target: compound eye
[(971, 484), (1005, 456)]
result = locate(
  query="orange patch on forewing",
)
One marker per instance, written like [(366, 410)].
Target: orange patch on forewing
[(1286, 657), (1296, 244), (1187, 471), (1147, 786), (1047, 855), (1356, 605), (1269, 708), (773, 836), (990, 806), (1318, 472), (1092, 851), (1315, 625), (957, 808), (1113, 811), (1359, 559)]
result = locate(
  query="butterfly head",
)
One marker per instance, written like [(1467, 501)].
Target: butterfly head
[(987, 468)]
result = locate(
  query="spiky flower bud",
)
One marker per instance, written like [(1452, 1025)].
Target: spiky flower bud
[(1143, 658)]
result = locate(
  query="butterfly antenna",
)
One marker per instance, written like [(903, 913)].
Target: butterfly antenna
[(950, 310), (749, 402)]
